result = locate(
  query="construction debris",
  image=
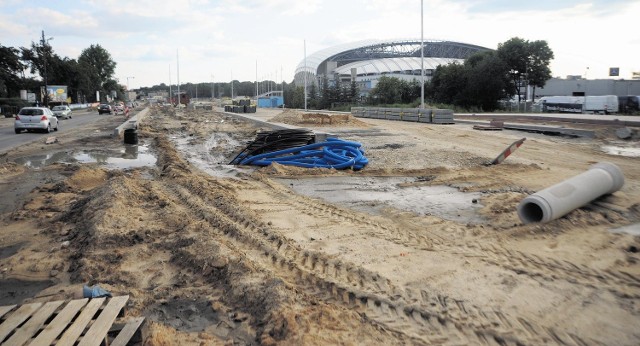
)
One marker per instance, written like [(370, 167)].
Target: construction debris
[(503, 155)]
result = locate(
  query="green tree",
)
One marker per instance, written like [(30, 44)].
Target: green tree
[(354, 92), (487, 80), (10, 71), (527, 63), (103, 65), (387, 91), (448, 85), (312, 97)]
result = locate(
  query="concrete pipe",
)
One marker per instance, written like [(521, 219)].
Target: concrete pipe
[(558, 200)]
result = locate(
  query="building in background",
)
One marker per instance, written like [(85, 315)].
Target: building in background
[(366, 61), (577, 86)]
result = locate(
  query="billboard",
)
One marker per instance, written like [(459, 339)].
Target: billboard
[(57, 93), (614, 71)]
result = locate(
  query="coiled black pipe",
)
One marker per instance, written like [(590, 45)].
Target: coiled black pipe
[(270, 141)]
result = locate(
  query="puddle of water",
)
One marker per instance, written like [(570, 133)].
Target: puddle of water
[(8, 251), (371, 195), (14, 291), (131, 156), (633, 229), (632, 151), (209, 158), (39, 161)]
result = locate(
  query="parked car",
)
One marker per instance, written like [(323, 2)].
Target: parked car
[(35, 118), (63, 112), (104, 108)]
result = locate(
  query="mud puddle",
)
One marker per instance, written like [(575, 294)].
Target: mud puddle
[(372, 195), (631, 150), (8, 251), (201, 316), (130, 156), (14, 291), (213, 155)]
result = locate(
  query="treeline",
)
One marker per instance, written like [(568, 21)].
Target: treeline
[(92, 71)]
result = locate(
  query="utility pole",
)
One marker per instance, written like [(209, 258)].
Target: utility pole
[(231, 85), (305, 75), (45, 55), (170, 95), (213, 92), (178, 72), (422, 54)]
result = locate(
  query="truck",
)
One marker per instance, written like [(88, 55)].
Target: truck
[(605, 104), (560, 104)]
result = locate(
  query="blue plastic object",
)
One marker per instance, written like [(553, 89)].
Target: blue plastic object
[(334, 153), (94, 292)]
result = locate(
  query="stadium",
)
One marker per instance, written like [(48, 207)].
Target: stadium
[(366, 61)]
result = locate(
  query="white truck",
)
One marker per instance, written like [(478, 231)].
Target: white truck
[(606, 104)]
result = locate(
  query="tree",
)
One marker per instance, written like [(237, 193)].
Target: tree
[(10, 70), (448, 85), (100, 60), (313, 96), (527, 63), (354, 92), (487, 80), (387, 91)]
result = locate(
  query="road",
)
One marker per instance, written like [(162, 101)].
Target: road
[(9, 139)]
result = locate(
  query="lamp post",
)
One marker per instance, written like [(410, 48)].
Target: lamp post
[(422, 54)]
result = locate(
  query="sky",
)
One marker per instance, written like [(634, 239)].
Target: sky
[(217, 40)]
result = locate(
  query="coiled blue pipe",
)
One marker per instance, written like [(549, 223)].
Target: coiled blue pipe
[(334, 153)]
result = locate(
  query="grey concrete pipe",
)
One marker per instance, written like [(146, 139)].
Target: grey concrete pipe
[(558, 200)]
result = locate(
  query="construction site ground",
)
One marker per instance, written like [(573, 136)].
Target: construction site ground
[(423, 246)]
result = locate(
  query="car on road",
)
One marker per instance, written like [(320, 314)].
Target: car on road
[(119, 108), (35, 118), (104, 108), (62, 111)]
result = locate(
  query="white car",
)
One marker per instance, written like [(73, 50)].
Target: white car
[(62, 111), (35, 118)]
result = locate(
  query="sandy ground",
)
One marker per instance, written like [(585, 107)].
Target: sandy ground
[(215, 255)]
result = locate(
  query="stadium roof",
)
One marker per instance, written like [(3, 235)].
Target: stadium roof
[(380, 49), (410, 65)]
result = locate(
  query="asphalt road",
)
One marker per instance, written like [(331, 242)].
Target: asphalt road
[(9, 139)]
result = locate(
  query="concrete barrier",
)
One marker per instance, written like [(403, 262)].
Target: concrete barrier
[(131, 122)]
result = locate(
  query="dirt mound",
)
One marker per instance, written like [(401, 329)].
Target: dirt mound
[(294, 117), (250, 259)]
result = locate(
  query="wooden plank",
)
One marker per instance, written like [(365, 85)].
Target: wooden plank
[(57, 326), (5, 309), (100, 327), (75, 330), (16, 318), (27, 330), (127, 332)]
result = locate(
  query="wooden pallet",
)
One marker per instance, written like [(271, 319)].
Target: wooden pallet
[(83, 322)]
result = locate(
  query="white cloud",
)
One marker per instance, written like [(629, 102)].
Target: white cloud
[(216, 36)]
